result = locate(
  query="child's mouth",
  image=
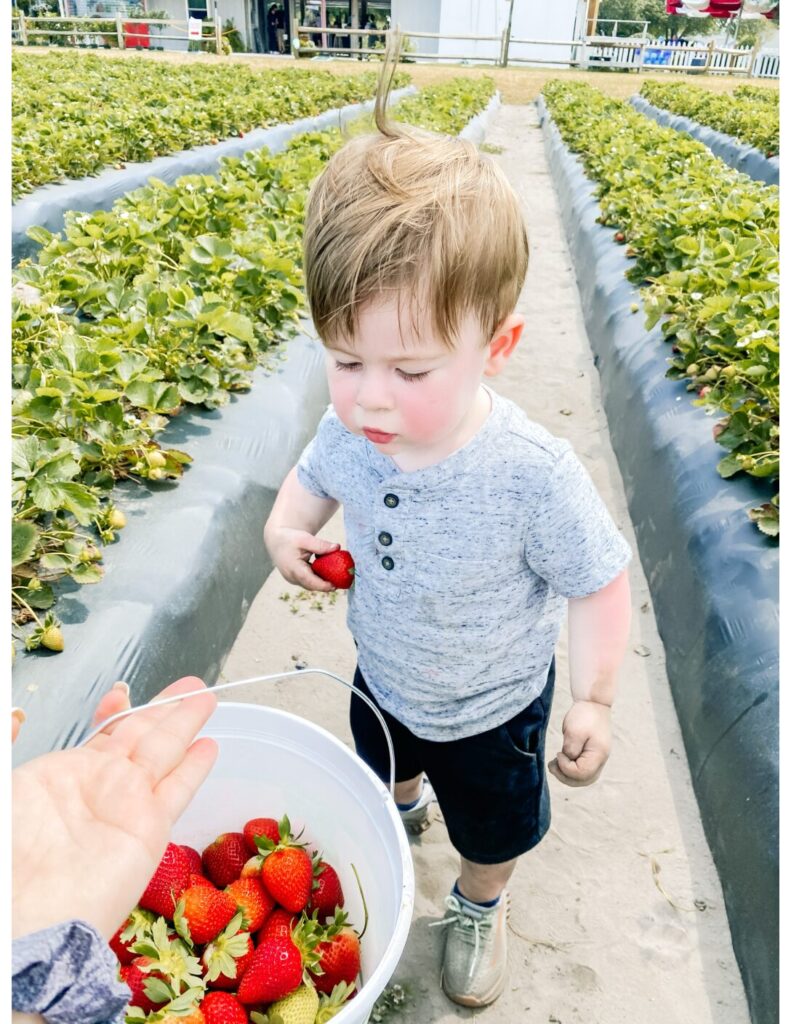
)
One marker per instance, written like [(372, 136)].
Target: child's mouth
[(377, 436)]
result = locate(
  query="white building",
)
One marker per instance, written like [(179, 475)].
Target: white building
[(557, 22)]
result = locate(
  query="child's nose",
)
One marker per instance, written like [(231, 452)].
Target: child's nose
[(374, 393)]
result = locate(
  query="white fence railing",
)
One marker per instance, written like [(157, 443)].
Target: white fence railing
[(638, 53)]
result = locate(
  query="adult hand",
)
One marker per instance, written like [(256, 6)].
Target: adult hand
[(90, 824), (586, 744)]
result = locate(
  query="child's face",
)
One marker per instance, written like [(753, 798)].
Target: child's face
[(406, 395)]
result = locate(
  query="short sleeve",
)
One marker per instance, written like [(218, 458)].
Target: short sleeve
[(315, 461), (572, 541)]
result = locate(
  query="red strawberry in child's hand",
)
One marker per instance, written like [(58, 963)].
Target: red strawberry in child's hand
[(167, 883), (260, 827), (193, 857), (224, 859), (223, 1008), (202, 913), (327, 893), (253, 900), (274, 970), (337, 568), (339, 955)]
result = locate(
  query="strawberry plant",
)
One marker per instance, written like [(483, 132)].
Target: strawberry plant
[(172, 298), (750, 114), (74, 114), (704, 240)]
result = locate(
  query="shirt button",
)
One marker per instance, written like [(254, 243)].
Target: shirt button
[(388, 563), (386, 539), (391, 500)]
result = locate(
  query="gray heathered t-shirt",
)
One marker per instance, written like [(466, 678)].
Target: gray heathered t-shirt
[(464, 566)]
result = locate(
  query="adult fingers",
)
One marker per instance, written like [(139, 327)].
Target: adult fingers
[(18, 716), (125, 734), (162, 748), (116, 699), (177, 789)]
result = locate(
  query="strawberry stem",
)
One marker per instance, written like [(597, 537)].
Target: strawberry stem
[(362, 897)]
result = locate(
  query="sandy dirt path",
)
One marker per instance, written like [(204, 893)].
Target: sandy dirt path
[(618, 915)]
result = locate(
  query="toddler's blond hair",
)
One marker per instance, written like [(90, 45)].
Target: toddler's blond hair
[(409, 214)]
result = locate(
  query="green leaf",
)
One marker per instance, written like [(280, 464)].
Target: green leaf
[(729, 466), (86, 572), (24, 537), (687, 244)]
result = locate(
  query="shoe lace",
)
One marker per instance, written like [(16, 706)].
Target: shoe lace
[(473, 925)]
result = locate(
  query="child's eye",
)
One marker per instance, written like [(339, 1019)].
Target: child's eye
[(413, 376), (346, 366)]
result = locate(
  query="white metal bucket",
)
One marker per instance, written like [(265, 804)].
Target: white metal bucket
[(272, 763)]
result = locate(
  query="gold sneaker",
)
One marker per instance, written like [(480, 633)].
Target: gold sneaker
[(475, 961)]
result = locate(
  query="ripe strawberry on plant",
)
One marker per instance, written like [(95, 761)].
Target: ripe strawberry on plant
[(337, 568), (167, 883), (327, 894), (339, 954), (280, 965), (224, 859), (202, 913), (253, 900), (226, 957), (260, 827), (135, 928), (223, 1008)]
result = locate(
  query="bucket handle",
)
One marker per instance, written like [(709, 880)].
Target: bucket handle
[(258, 679)]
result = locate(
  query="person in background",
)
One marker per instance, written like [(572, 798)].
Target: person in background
[(89, 827)]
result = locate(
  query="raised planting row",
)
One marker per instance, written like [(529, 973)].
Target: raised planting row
[(714, 578), (704, 240), (75, 113), (168, 300), (749, 114)]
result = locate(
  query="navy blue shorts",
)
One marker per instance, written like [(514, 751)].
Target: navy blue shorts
[(491, 788)]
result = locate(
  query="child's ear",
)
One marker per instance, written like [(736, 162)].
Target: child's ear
[(504, 341)]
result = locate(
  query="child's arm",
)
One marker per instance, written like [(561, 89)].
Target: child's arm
[(598, 632), (296, 517)]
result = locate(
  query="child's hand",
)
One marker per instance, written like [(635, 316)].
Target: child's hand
[(291, 551), (586, 744)]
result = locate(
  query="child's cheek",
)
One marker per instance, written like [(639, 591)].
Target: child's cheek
[(426, 412), (342, 398)]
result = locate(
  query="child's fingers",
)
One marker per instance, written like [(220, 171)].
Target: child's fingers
[(305, 577), (315, 545), (581, 771)]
